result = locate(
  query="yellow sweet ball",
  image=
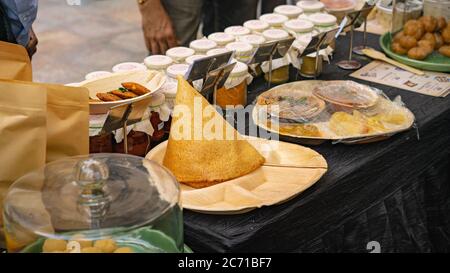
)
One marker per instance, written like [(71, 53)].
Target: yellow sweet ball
[(81, 239), (106, 245), (123, 250), (92, 249), (53, 245)]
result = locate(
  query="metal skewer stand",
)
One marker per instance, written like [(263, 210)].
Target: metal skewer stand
[(365, 11), (351, 64)]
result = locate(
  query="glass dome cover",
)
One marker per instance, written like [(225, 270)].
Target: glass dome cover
[(99, 196)]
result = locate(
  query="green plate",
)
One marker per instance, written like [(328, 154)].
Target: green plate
[(137, 240), (434, 62)]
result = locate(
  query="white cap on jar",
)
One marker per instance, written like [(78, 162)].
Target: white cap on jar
[(273, 19), (322, 19), (202, 45), (240, 69), (253, 39), (290, 11), (299, 25), (177, 69), (180, 53), (275, 34), (128, 66), (239, 47), (221, 38), (310, 6), (256, 25), (158, 62), (190, 60), (237, 30), (97, 74), (217, 51)]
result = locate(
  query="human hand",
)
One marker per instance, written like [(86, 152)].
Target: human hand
[(32, 44)]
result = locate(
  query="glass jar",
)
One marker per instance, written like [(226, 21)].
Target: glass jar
[(100, 203), (289, 11), (298, 27), (217, 51), (221, 38), (256, 26), (138, 144), (190, 60), (274, 20), (156, 122), (242, 51), (180, 53), (310, 6), (234, 92), (237, 30), (280, 67), (128, 66), (323, 22), (437, 8), (158, 62), (176, 70), (308, 66), (201, 46), (255, 40)]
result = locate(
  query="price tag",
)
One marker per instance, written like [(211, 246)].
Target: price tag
[(200, 67), (216, 79), (283, 47), (263, 53)]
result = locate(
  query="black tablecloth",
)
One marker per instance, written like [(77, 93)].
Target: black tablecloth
[(395, 192)]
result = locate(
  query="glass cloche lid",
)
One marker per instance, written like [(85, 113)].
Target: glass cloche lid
[(98, 195)]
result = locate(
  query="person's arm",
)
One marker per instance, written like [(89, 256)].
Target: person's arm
[(159, 34), (32, 44)]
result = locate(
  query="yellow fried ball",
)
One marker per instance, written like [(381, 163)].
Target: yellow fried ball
[(397, 48), (92, 249), (445, 50), (408, 42), (446, 34), (439, 40), (123, 250), (441, 23), (417, 53), (106, 245), (81, 239), (430, 37), (429, 23), (53, 245), (426, 45), (413, 28), (398, 35)]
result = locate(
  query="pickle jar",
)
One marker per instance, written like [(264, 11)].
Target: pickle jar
[(242, 51), (100, 203), (158, 62), (234, 92), (255, 40), (280, 67)]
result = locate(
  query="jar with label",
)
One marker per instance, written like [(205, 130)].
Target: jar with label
[(310, 6), (298, 27), (274, 20), (234, 92), (180, 53), (201, 46), (256, 26), (280, 67), (158, 62), (289, 11), (128, 66), (190, 60), (255, 40), (242, 51), (221, 38), (237, 31)]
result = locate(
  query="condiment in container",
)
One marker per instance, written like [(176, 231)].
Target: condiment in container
[(100, 203), (437, 8), (190, 60), (221, 38), (256, 26), (158, 62), (280, 67), (201, 46), (180, 53), (97, 74), (234, 92), (242, 51), (128, 66), (138, 143), (274, 20), (310, 6), (217, 51), (237, 30), (157, 123), (289, 11), (323, 22), (298, 26)]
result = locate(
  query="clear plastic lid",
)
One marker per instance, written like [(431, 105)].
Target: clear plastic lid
[(275, 34), (221, 38), (273, 19), (256, 25), (253, 39), (98, 195), (180, 53), (299, 25), (310, 6), (290, 11), (190, 60), (202, 45), (177, 70), (237, 30), (322, 19), (158, 62)]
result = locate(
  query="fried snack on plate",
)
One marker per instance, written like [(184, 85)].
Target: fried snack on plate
[(408, 42), (397, 48), (107, 97), (417, 53), (344, 124), (445, 50), (53, 245), (430, 37), (106, 245), (441, 23), (136, 88), (446, 34), (426, 45), (307, 130), (398, 36), (439, 40), (429, 23), (414, 28), (123, 94)]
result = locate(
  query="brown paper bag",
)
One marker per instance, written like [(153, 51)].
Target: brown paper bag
[(14, 62)]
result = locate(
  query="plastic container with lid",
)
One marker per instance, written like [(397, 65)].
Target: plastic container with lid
[(175, 70), (289, 11), (298, 26), (234, 92), (128, 66), (254, 39), (190, 60), (97, 203), (273, 19), (275, 34), (158, 62), (180, 53), (242, 51), (280, 67), (216, 51), (237, 30), (323, 22), (201, 46), (256, 26), (310, 6), (221, 38), (97, 75)]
